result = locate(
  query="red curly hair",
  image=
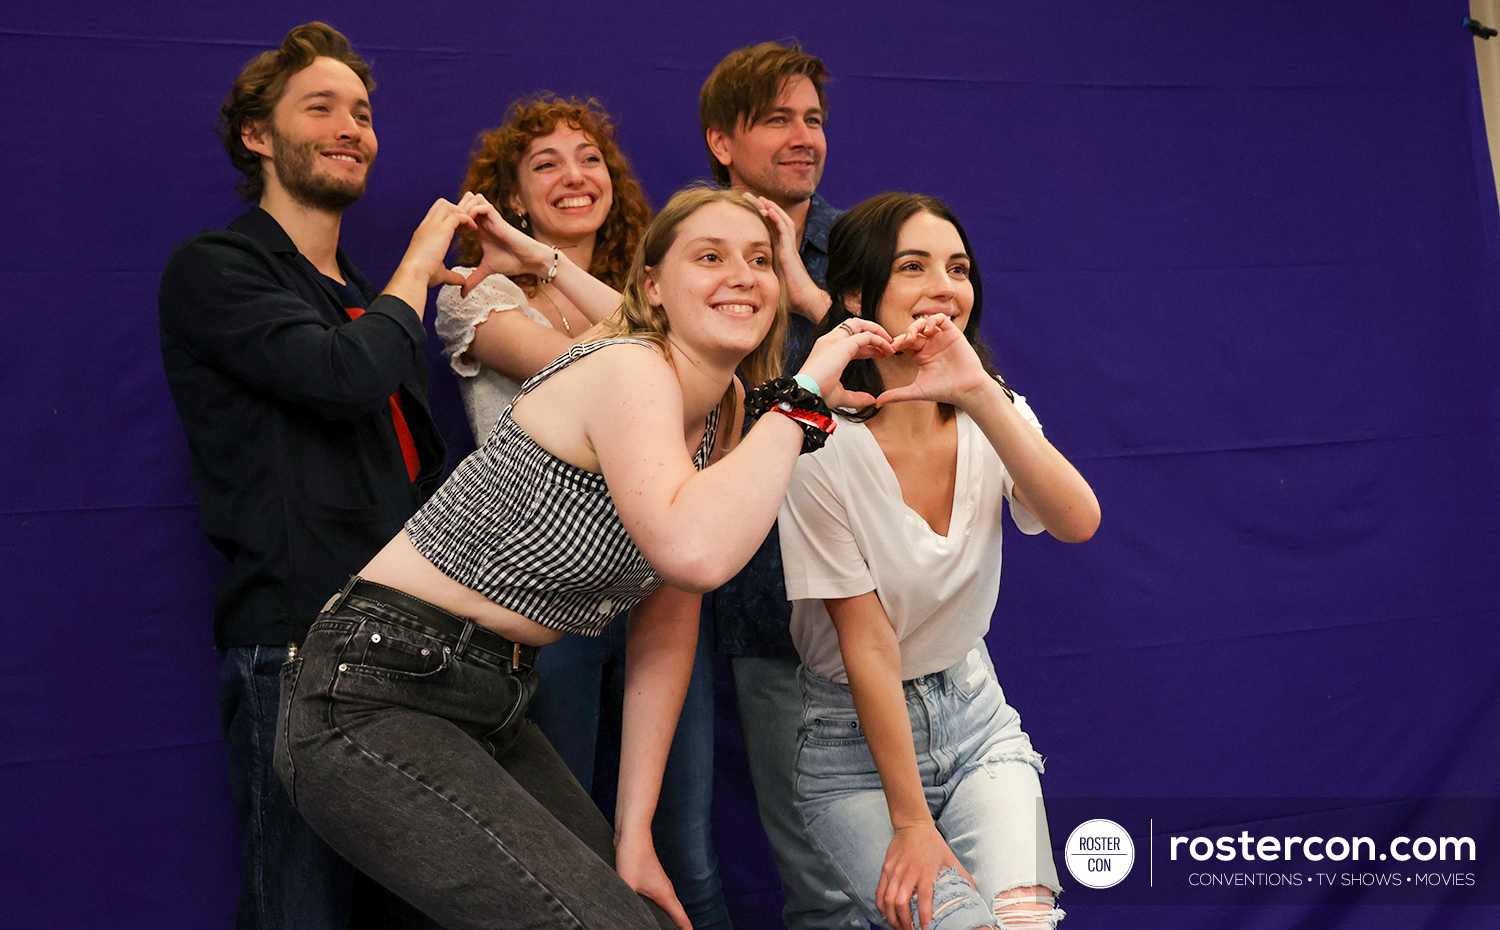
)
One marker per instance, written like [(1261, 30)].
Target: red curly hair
[(497, 155)]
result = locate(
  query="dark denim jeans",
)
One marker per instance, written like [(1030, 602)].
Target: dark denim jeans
[(583, 685), (290, 879), (409, 751)]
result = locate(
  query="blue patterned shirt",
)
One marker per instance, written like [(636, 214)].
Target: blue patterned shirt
[(751, 614)]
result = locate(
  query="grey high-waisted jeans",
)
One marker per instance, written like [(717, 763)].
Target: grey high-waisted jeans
[(409, 751)]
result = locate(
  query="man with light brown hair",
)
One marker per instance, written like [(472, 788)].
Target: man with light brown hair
[(763, 111), (302, 391)]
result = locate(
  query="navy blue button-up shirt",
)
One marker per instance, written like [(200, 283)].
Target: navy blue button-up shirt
[(751, 614)]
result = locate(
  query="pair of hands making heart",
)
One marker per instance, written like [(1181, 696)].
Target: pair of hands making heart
[(947, 368)]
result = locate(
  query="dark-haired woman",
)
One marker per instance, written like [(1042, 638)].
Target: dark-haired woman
[(913, 774), (574, 213)]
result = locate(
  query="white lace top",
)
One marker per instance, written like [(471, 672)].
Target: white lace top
[(486, 392)]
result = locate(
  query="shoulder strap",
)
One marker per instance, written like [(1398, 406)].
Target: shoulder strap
[(573, 354)]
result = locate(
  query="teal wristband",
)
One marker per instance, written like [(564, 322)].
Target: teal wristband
[(808, 384)]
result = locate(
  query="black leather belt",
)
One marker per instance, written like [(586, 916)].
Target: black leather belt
[(464, 630)]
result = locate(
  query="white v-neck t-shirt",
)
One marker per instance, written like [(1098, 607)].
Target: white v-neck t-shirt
[(845, 530)]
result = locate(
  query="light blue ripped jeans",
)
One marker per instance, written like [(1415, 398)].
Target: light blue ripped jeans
[(980, 775)]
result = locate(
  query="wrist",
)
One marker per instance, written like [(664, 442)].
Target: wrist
[(985, 391), (547, 265), (810, 301), (794, 401)]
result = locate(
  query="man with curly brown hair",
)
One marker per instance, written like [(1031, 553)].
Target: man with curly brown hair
[(302, 391)]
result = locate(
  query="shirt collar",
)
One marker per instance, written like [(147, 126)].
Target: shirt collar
[(263, 228), (820, 219)]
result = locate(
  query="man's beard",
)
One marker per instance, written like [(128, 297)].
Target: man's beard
[(296, 170)]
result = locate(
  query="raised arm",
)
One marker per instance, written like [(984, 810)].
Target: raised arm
[(803, 294), (660, 641), (698, 528), (503, 338), (917, 852), (510, 252), (228, 307), (422, 266), (1046, 483)]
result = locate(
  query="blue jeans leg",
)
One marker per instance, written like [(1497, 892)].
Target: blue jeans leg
[(291, 879), (683, 828), (979, 773), (770, 703), (582, 689), (567, 705)]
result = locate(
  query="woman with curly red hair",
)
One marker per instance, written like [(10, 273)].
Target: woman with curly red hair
[(558, 178)]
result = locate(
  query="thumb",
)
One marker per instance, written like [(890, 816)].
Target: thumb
[(897, 394), (467, 284), (846, 399), (668, 902)]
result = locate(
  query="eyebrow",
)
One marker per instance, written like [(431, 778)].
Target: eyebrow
[(327, 94), (792, 111), (715, 240), (555, 152), (923, 254)]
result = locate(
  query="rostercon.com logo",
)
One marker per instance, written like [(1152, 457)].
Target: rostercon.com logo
[(1099, 853)]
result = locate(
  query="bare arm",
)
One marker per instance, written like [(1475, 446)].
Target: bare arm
[(697, 528), (872, 660), (509, 251), (1046, 483), (510, 342), (660, 642)]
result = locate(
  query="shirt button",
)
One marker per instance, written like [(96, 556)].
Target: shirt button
[(606, 606), (375, 638)]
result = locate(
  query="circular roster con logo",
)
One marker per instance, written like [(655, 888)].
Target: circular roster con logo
[(1099, 853)]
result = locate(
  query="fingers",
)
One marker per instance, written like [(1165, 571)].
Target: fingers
[(924, 903), (449, 276), (841, 399), (779, 218), (886, 893), (472, 281), (667, 900)]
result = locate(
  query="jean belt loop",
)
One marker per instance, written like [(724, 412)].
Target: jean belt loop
[(463, 638), (337, 601)]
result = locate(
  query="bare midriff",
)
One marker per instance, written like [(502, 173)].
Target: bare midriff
[(399, 565)]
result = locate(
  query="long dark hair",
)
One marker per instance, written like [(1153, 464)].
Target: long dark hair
[(861, 253)]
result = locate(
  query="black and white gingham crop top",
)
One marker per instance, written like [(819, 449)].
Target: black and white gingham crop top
[(535, 534)]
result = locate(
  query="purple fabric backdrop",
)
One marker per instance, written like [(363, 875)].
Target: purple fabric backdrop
[(1239, 258)]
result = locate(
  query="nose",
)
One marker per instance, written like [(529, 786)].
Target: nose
[(801, 135), (940, 284), (350, 128), (739, 273), (572, 173)]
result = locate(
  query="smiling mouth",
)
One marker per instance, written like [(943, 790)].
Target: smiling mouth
[(737, 309), (344, 157), (574, 203)]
